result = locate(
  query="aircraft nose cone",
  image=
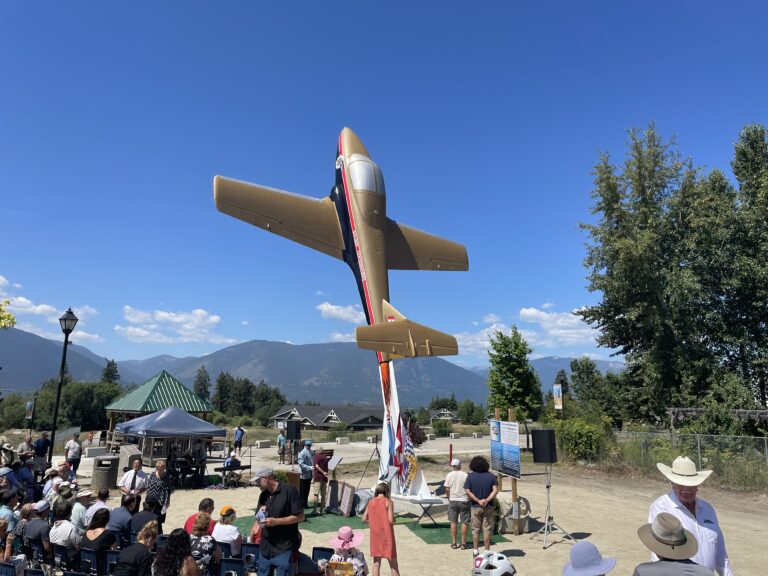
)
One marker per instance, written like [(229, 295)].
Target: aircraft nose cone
[(351, 144)]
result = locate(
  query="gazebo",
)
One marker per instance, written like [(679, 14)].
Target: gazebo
[(158, 393)]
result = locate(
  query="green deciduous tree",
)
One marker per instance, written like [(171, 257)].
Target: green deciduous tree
[(438, 403), (202, 385), (7, 320), (680, 259), (512, 382), (470, 413)]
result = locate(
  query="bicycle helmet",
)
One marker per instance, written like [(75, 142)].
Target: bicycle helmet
[(493, 564)]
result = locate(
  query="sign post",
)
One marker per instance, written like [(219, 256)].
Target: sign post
[(505, 455)]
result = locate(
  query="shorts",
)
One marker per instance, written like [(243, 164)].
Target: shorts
[(319, 490), (281, 450), (458, 511), (238, 443), (482, 520)]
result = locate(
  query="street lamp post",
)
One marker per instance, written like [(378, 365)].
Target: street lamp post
[(67, 321)]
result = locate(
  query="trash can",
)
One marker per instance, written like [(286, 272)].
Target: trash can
[(104, 472), (128, 453)]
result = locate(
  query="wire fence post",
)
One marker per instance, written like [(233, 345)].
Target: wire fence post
[(698, 449), (765, 441)]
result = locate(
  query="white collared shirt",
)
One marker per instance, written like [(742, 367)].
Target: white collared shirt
[(141, 481), (704, 526)]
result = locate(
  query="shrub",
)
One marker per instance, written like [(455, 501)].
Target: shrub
[(442, 428), (246, 421), (580, 440), (338, 430)]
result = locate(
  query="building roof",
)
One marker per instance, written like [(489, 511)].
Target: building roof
[(158, 393), (316, 415)]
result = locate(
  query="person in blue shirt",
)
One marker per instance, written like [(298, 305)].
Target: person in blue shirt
[(9, 499), (27, 479), (42, 445), (306, 467), (239, 437)]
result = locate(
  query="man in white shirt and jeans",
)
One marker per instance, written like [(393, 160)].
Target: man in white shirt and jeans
[(458, 503), (696, 515)]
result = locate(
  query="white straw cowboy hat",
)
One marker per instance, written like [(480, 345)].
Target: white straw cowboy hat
[(683, 472), (667, 538)]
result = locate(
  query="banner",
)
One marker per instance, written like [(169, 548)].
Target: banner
[(505, 448), (557, 392), (30, 410)]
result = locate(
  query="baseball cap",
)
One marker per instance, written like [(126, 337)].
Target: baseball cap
[(4, 470), (227, 510), (263, 472), (42, 506), (58, 481), (455, 462), (83, 493), (308, 442)]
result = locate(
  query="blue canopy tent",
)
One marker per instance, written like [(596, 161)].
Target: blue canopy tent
[(171, 434), (173, 422)]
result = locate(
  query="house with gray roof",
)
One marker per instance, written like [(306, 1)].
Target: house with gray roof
[(325, 417)]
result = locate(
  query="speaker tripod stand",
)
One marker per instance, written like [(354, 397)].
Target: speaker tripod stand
[(549, 523), (374, 452)]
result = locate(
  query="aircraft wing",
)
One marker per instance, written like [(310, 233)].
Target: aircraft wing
[(405, 338), (308, 221), (411, 249)]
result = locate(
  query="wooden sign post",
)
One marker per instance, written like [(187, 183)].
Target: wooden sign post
[(515, 521)]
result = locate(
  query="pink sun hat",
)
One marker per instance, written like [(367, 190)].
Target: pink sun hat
[(346, 538)]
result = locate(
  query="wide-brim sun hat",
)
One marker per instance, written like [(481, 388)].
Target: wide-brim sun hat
[(667, 538), (683, 472), (346, 538), (586, 560)]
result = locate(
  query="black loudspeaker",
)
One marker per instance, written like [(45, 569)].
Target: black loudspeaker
[(544, 451), (293, 431)]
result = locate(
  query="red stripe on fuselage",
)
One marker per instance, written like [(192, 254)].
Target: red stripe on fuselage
[(358, 253)]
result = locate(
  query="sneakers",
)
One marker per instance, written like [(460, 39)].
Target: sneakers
[(475, 552)]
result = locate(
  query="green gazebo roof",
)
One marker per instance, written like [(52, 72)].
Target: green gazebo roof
[(158, 393)]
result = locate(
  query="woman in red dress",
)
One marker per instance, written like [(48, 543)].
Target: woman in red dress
[(380, 514)]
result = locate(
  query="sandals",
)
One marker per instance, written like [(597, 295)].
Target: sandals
[(455, 546)]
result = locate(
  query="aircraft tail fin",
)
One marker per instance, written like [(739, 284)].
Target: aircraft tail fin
[(398, 336)]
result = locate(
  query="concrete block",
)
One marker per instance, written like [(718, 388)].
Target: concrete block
[(477, 434), (455, 436), (263, 444), (342, 440), (430, 436)]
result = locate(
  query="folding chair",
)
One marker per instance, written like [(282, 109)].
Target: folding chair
[(33, 572), (7, 569), (133, 536), (226, 549), (70, 573), (89, 562), (162, 539), (64, 558), (231, 567), (250, 554), (38, 552), (113, 556), (322, 553)]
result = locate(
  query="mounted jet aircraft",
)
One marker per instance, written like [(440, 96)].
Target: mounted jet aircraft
[(352, 225)]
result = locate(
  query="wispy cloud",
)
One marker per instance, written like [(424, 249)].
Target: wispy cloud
[(342, 337), (169, 327), (491, 318), (78, 336), (353, 314), (547, 305), (245, 323), (558, 328)]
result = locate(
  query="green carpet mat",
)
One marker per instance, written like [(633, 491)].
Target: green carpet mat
[(325, 523), (441, 534)]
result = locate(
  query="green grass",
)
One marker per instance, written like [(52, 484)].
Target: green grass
[(441, 534)]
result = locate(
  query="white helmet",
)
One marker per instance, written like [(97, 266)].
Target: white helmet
[(493, 564)]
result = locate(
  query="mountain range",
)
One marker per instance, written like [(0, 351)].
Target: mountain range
[(335, 373)]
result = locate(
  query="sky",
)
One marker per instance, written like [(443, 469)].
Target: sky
[(485, 118)]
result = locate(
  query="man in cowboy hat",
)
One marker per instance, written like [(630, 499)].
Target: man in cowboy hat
[(695, 514), (673, 545), (7, 455)]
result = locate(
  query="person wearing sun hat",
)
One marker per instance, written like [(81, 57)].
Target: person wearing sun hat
[(695, 514), (345, 549), (586, 560), (673, 545)]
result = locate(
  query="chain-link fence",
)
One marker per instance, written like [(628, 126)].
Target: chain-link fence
[(737, 461)]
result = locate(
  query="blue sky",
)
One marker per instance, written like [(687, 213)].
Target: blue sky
[(485, 118)]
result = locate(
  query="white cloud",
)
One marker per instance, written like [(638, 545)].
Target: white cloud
[(547, 305), (558, 328), (491, 318), (21, 305), (476, 343), (170, 327), (342, 337), (245, 323), (77, 336), (351, 314), (3, 283)]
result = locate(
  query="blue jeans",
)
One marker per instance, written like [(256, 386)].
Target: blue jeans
[(281, 562)]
